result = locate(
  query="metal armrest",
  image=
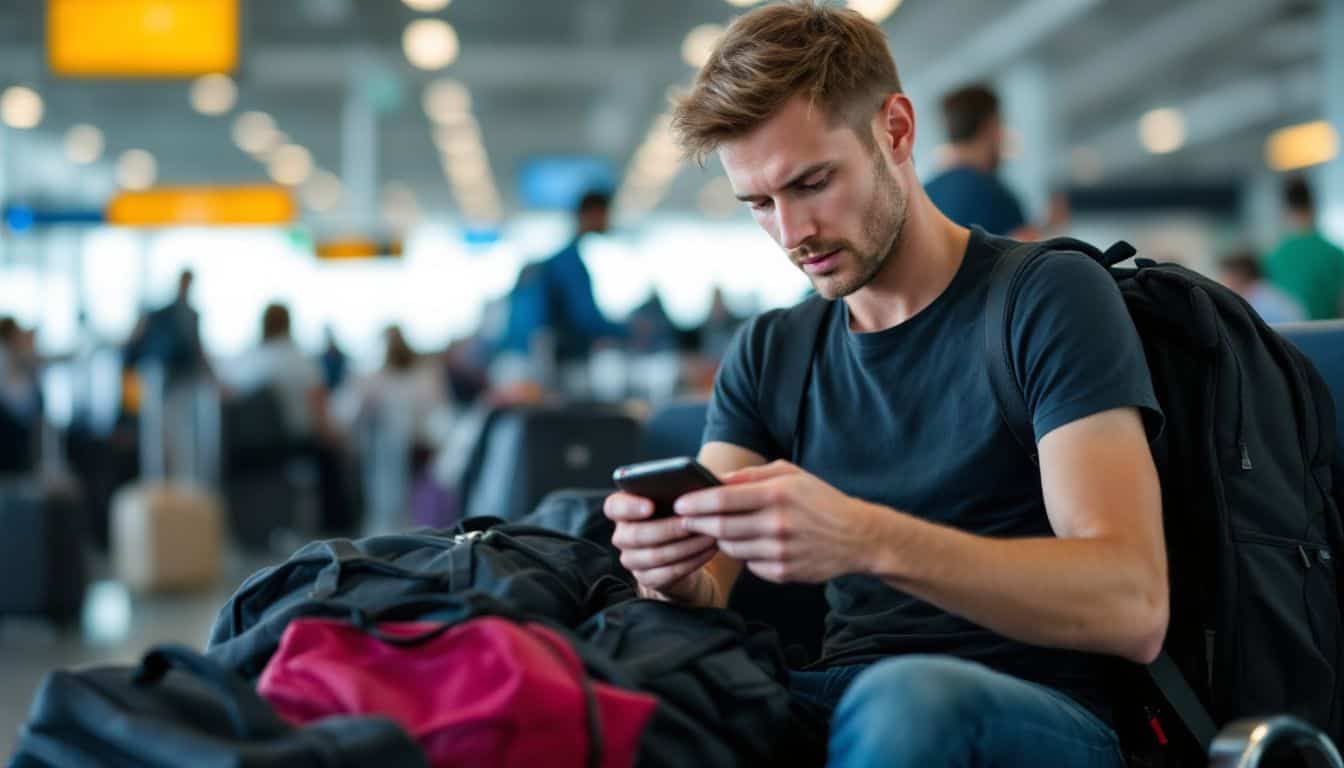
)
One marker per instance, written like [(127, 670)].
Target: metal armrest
[(1245, 743)]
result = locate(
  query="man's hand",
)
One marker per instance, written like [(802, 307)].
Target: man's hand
[(784, 523), (664, 557)]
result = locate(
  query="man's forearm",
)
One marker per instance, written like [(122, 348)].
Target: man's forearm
[(1084, 594)]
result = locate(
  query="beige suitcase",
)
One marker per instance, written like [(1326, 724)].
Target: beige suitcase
[(166, 537)]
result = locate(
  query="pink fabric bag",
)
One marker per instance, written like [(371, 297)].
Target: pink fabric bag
[(487, 692)]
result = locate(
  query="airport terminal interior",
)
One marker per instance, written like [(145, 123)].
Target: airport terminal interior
[(275, 272)]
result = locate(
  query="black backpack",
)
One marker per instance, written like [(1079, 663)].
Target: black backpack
[(538, 573), (1250, 507), (178, 708)]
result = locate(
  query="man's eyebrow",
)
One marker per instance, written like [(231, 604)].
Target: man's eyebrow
[(793, 182)]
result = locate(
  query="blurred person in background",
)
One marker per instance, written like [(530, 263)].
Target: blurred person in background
[(20, 396), (567, 288), (1241, 272), (170, 341), (1305, 265), (970, 192), (718, 328), (277, 363), (335, 363), (399, 414)]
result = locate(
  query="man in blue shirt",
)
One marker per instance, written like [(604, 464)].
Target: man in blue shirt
[(571, 311), (968, 192)]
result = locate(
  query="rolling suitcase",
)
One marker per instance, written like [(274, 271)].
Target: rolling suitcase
[(42, 554), (166, 537), (167, 531)]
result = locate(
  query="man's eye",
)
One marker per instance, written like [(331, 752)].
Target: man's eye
[(816, 186), (761, 205)]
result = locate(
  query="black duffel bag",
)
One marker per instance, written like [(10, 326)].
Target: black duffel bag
[(540, 574), (178, 708), (721, 684)]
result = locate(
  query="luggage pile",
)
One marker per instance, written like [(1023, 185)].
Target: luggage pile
[(491, 644)]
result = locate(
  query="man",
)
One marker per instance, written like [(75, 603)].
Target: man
[(571, 309), (171, 338), (1306, 265), (972, 593), (969, 192), (1241, 272)]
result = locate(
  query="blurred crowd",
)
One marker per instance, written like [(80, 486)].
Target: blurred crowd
[(392, 442)]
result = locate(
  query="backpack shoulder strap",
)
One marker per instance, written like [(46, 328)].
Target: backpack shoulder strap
[(789, 347), (1003, 285)]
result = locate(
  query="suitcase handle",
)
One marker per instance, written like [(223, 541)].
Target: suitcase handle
[(251, 717)]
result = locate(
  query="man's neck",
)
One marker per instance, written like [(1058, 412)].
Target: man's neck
[(921, 266)]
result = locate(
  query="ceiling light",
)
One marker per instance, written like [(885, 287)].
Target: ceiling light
[(446, 100), (290, 165), (136, 170), (213, 94), (1302, 146), (83, 144), (20, 107), (430, 43), (743, 3), (323, 192), (876, 11), (426, 6), (254, 132), (1162, 130), (700, 43)]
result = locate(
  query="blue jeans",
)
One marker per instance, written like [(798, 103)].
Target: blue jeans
[(943, 711)]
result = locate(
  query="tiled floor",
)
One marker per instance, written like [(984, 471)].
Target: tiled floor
[(117, 627)]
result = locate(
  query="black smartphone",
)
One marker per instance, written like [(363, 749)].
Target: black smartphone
[(664, 481)]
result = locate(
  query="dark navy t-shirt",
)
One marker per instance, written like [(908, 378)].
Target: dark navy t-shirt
[(973, 198), (905, 417)]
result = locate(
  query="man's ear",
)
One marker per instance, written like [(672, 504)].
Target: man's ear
[(896, 127)]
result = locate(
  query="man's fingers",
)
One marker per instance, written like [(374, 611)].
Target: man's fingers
[(648, 533), (721, 499), (754, 550), (736, 527), (658, 578), (760, 472), (657, 557), (623, 506)]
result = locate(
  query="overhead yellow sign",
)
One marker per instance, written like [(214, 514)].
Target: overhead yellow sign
[(203, 206), (142, 38), (353, 248)]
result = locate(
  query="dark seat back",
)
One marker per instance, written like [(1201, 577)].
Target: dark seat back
[(1323, 343)]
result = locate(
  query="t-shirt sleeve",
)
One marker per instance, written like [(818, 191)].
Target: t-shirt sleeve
[(1076, 350), (734, 414)]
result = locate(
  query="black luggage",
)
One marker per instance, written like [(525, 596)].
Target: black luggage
[(179, 709), (538, 573), (42, 551), (525, 453)]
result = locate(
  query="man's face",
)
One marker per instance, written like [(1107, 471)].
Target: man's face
[(827, 197)]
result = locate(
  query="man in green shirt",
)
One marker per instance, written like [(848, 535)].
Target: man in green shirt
[(1306, 265)]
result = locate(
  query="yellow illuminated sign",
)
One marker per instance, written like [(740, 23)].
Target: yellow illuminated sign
[(354, 248), (203, 206), (142, 38)]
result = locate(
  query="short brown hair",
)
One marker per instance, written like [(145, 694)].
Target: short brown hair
[(834, 56), (967, 110)]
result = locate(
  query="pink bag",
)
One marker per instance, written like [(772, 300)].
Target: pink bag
[(487, 692)]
